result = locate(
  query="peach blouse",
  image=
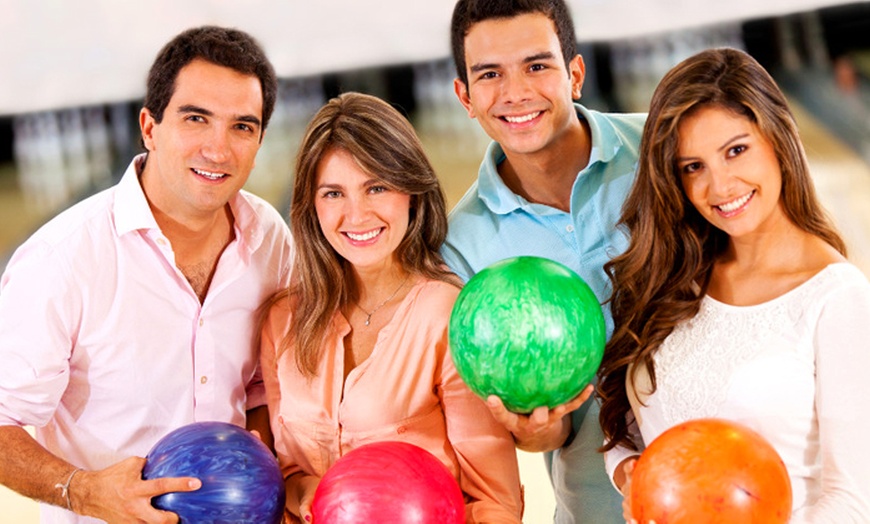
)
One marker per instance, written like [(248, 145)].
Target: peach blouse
[(407, 390)]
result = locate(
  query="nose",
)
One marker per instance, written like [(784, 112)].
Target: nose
[(357, 210), (721, 180), (515, 88), (216, 146)]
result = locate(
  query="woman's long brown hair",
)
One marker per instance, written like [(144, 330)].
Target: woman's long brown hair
[(385, 145), (661, 278)]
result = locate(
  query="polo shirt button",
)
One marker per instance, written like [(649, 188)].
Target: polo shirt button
[(570, 228), (203, 379)]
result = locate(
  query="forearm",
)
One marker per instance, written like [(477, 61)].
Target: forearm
[(300, 491), (31, 470), (258, 420)]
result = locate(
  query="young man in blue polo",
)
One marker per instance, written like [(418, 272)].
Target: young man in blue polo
[(551, 184)]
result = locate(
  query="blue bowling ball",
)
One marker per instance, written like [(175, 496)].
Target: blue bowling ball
[(241, 480)]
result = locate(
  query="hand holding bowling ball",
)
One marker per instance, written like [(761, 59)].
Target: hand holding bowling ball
[(241, 480), (388, 482), (528, 330), (712, 471)]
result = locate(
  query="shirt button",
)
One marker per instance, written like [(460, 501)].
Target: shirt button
[(570, 228), (201, 322), (161, 241), (203, 379)]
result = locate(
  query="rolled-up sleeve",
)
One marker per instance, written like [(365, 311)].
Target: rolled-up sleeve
[(38, 309)]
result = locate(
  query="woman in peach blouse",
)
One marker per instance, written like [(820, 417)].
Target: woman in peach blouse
[(355, 351)]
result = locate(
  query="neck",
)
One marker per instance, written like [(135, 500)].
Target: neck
[(772, 247), (547, 176), (195, 232), (375, 285)]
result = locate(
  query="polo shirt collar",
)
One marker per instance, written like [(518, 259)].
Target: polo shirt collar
[(492, 190)]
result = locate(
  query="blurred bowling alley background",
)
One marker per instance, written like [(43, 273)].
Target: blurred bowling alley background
[(72, 77)]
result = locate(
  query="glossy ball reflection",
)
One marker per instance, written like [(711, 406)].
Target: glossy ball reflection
[(241, 480), (388, 482), (528, 330), (713, 471)]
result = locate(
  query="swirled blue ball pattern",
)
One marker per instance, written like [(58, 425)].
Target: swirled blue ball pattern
[(241, 480)]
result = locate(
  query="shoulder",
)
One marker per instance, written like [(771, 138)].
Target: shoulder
[(256, 213), (624, 123), (467, 204), (268, 217), (276, 316), (79, 227), (435, 295), (844, 275), (839, 290)]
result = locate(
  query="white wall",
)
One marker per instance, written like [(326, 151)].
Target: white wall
[(61, 53)]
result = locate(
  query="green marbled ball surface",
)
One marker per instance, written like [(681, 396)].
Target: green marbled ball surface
[(528, 330)]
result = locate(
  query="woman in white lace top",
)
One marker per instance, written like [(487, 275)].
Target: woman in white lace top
[(734, 299)]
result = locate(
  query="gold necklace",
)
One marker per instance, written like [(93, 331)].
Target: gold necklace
[(379, 306)]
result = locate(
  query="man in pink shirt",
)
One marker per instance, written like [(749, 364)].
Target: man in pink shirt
[(134, 312)]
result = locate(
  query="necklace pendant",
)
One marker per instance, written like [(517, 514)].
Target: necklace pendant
[(368, 319)]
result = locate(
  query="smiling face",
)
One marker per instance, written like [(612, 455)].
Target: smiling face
[(518, 87), (203, 150), (361, 218), (730, 172)]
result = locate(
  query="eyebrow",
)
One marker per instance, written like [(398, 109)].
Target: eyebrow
[(732, 140), (368, 183), (190, 108), (721, 148), (546, 55)]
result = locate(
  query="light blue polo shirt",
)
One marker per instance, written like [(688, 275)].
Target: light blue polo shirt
[(491, 223)]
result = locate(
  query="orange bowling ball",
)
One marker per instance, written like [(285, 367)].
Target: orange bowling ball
[(711, 471)]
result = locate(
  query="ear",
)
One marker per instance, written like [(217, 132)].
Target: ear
[(577, 74), (461, 91), (146, 126)]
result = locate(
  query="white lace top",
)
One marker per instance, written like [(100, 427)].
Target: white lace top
[(795, 369)]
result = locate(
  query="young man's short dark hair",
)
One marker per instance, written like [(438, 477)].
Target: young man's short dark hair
[(467, 13)]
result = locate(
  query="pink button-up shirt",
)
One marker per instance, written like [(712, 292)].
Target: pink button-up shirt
[(105, 347), (407, 390)]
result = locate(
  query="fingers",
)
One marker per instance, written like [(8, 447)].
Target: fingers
[(540, 417), (628, 468), (154, 487), (307, 499), (501, 414), (577, 401)]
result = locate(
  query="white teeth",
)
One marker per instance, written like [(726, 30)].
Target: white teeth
[(367, 236), (521, 119), (208, 175), (735, 204)]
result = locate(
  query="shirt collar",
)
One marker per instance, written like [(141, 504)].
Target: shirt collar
[(130, 209), (132, 212), (501, 200)]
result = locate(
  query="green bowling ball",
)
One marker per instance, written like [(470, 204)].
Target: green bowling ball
[(528, 330)]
